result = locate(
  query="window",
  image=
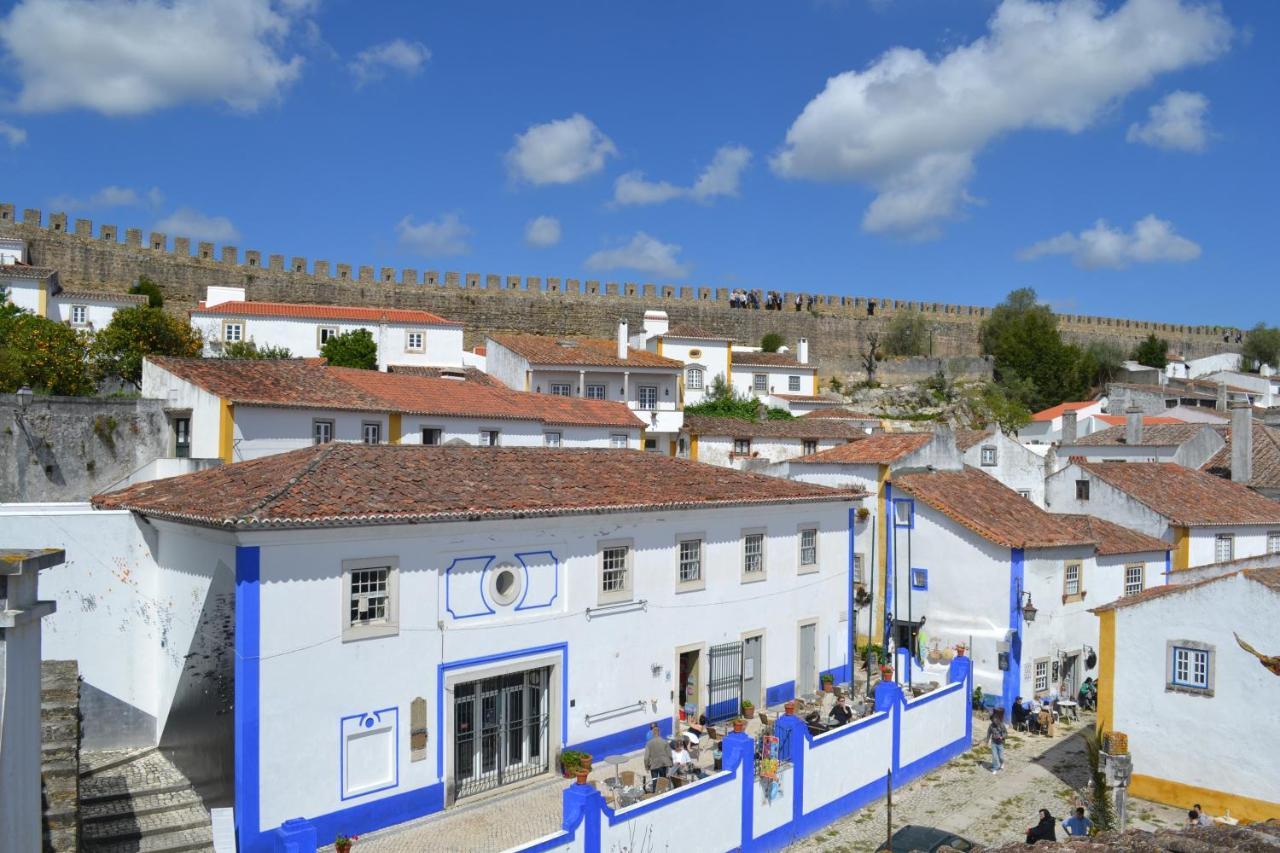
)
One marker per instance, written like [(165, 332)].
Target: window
[(551, 439), (742, 447), (690, 561), (618, 440), (372, 433), (413, 341), (490, 437), (857, 568), (1042, 676), (988, 455), (1082, 490), (1273, 541), (809, 445), (1224, 547), (1189, 667), (430, 435), (647, 396), (369, 594), (595, 392), (1026, 493), (615, 572), (79, 315), (1072, 583), (760, 382), (793, 383), (693, 379), (562, 389), (651, 445), (324, 333), (504, 583), (753, 555), (321, 432), (903, 512), (232, 332), (808, 547), (919, 578), (1134, 579)]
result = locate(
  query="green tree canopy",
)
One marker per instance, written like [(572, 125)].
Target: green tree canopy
[(135, 333), (724, 402), (249, 349), (1152, 352), (355, 348), (1262, 346), (1100, 362), (1033, 365), (146, 287), (906, 335), (47, 356), (772, 342)]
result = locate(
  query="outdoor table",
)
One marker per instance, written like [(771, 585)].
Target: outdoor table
[(1072, 708), (617, 761)]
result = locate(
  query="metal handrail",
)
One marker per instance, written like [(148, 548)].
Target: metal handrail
[(619, 607), (625, 709)]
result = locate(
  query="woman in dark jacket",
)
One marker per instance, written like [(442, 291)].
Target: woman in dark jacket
[(1043, 831)]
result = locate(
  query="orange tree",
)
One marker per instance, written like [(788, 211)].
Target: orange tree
[(40, 353), (135, 333)]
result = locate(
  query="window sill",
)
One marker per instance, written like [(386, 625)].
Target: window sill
[(369, 632), (1069, 599), (1206, 692), (607, 599), (754, 577), (691, 586), (809, 570)]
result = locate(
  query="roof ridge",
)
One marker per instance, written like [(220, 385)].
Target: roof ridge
[(324, 453)]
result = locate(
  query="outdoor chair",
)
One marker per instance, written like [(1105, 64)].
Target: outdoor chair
[(662, 785), (628, 778)]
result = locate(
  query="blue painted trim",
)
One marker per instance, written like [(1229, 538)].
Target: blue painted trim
[(934, 696), (911, 513), (779, 693), (923, 578), (248, 640), (839, 674), (1168, 566), (376, 814), (1011, 679), (448, 586), (525, 594), (367, 720), (851, 610), (675, 796), (627, 740), (889, 570)]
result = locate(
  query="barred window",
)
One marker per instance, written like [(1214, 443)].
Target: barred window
[(1224, 548), (369, 595), (753, 554), (613, 569), (690, 560), (693, 379), (809, 547), (1133, 579)]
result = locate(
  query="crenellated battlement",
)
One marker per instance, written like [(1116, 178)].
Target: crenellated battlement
[(102, 260)]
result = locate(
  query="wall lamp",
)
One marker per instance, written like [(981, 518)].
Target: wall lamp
[(1028, 609)]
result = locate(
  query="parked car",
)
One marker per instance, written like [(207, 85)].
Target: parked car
[(926, 838)]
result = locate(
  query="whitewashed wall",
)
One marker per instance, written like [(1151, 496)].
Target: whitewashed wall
[(1250, 541), (779, 381), (23, 292), (711, 356), (206, 408), (1016, 466), (98, 311), (1105, 501), (716, 449)]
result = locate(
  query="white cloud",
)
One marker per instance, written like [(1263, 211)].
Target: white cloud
[(1104, 247), (188, 222), (110, 196), (406, 57), (123, 57), (445, 235), (911, 127), (542, 232), (15, 136), (1176, 123), (559, 152), (722, 177), (643, 254)]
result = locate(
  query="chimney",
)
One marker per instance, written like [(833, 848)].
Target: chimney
[(802, 351), (1133, 426), (656, 323), (1241, 442), (216, 295), (622, 339), (1221, 404), (1068, 427)]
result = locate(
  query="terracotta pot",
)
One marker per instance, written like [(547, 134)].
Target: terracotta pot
[(585, 765), (344, 847), (749, 713), (581, 775)]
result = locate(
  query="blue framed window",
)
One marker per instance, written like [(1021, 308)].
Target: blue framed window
[(904, 513), (1190, 668), (919, 578)]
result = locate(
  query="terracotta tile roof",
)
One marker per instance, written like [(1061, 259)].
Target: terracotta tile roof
[(1158, 435), (359, 484), (841, 414), (688, 330), (353, 313), (1147, 420), (990, 509), (471, 374), (1112, 538), (26, 271), (878, 448), (1269, 578), (95, 295), (295, 383), (768, 359), (805, 398), (966, 438), (586, 352), (797, 428), (1186, 497), (1266, 457), (1058, 410)]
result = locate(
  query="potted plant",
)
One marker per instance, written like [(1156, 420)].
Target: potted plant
[(863, 513), (886, 672), (828, 682), (748, 708), (572, 760), (861, 597), (342, 843)]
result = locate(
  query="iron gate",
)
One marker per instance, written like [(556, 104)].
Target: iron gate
[(724, 700), (499, 731)]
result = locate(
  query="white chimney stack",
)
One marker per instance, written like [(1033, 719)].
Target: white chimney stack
[(216, 295), (622, 339), (1069, 427), (802, 351), (655, 323), (1241, 442), (1133, 426)]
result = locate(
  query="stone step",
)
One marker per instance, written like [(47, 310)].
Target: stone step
[(138, 805), (105, 759), (181, 841), (135, 827), (90, 794), (153, 773)]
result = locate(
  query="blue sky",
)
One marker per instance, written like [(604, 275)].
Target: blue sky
[(1118, 157)]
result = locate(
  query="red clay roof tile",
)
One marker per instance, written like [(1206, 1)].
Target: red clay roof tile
[(588, 352), (878, 448), (353, 313), (1186, 497)]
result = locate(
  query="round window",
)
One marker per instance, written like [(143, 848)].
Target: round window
[(504, 583)]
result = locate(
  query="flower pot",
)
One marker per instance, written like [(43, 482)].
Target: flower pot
[(934, 656), (749, 712), (342, 847), (828, 687)]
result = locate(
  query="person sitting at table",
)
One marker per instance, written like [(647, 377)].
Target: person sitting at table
[(1019, 716), (681, 761), (840, 712), (1033, 717)]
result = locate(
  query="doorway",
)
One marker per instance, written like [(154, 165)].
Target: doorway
[(500, 730), (182, 437), (807, 660), (753, 670), (690, 668), (1069, 680)]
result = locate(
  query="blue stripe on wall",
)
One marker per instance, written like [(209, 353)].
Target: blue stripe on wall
[(246, 690), (620, 743), (1012, 677), (889, 528)]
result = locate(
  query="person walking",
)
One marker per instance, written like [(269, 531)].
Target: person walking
[(996, 733), (1078, 825), (1044, 830), (657, 753)]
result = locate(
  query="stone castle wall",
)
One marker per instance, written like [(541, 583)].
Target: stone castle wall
[(836, 328)]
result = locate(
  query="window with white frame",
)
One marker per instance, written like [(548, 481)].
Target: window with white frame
[(615, 572), (325, 333), (431, 436), (1224, 547), (1189, 667), (562, 389), (371, 431), (753, 555), (690, 560), (808, 547), (693, 379), (1026, 493), (760, 382), (321, 432), (618, 440), (857, 568), (414, 341), (1273, 541), (551, 439), (1134, 578), (1072, 583), (1042, 676), (647, 396), (370, 590), (595, 392), (902, 513), (232, 333), (490, 437), (793, 383), (742, 447), (988, 455), (79, 315), (808, 446)]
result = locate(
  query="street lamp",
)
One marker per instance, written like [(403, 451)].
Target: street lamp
[(24, 396), (1028, 609)]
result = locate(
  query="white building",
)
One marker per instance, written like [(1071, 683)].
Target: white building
[(1184, 660), (12, 251), (595, 369), (736, 443), (1189, 444), (705, 355), (1046, 426), (1264, 387), (233, 409), (415, 625), (1205, 519), (1010, 462), (37, 290), (404, 336), (968, 556), (779, 378)]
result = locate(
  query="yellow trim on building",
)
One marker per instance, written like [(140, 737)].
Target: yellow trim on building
[(42, 299), (393, 427), (659, 345), (882, 556), (728, 366), (693, 447), (528, 380), (1106, 669), (1181, 548), (1214, 802), (226, 431)]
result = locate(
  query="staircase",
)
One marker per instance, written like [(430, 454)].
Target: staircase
[(136, 801)]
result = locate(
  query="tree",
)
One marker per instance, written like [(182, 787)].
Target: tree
[(1100, 362), (907, 335), (870, 355), (989, 404), (772, 342), (1032, 363), (248, 349), (147, 287), (135, 333), (355, 348), (724, 402), (1152, 352), (46, 356), (1262, 346)]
